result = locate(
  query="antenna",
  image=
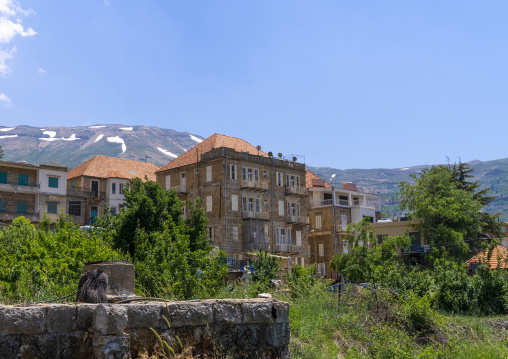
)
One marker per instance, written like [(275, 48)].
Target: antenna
[(294, 158), (270, 154), (258, 148), (279, 154)]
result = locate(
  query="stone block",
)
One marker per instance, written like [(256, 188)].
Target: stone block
[(110, 319), (84, 316), (60, 318), (277, 335), (280, 312), (22, 320), (187, 314), (145, 315), (227, 311), (111, 346), (257, 312)]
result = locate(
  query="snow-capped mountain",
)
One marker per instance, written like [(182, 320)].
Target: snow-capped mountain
[(71, 146)]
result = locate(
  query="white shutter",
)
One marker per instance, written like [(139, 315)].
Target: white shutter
[(234, 202), (321, 250), (281, 208), (168, 182), (208, 203), (298, 238), (318, 222), (208, 173)]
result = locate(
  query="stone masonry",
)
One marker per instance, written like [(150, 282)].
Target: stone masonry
[(255, 328)]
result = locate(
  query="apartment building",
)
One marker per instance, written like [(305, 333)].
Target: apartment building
[(100, 181), (252, 200), (331, 209), (31, 190)]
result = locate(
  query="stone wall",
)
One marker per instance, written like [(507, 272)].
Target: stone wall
[(256, 328)]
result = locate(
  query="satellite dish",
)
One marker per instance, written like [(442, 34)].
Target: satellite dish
[(294, 158), (258, 147), (270, 154), (280, 155)]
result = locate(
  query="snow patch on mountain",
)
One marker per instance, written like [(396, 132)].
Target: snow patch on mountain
[(126, 128), (8, 136), (101, 126), (195, 139), (72, 138), (7, 129), (99, 137), (117, 139), (167, 152), (52, 137)]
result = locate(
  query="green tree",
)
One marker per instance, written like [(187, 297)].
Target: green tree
[(367, 261), (266, 267), (449, 215), (172, 255), (462, 175)]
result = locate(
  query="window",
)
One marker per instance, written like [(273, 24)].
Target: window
[(345, 247), (256, 175), (298, 238), (250, 204), (321, 267), (281, 208), (168, 182), (321, 250), (208, 203), (280, 235), (3, 177), (344, 221), (23, 180), (120, 188), (244, 174), (279, 179), (232, 172), (234, 202), (210, 233), (293, 209), (297, 181), (22, 208), (234, 233), (113, 188), (290, 180), (53, 182), (244, 204), (208, 173), (113, 211), (75, 208), (288, 233), (318, 222), (2, 206), (257, 208), (52, 208), (381, 238), (73, 184), (265, 173), (249, 174)]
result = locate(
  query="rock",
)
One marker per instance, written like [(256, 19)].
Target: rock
[(110, 319), (265, 295)]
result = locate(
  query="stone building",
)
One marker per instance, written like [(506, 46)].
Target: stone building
[(100, 181), (252, 200), (31, 190), (331, 209)]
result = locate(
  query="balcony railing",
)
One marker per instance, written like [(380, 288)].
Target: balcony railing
[(290, 248), (79, 193), (296, 190), (262, 186), (326, 202), (9, 213), (264, 216), (343, 202), (297, 219), (181, 189), (11, 185)]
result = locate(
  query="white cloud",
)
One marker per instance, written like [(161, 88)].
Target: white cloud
[(3, 98), (107, 3), (11, 26), (41, 70)]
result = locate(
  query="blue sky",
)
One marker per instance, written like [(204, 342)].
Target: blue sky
[(347, 84)]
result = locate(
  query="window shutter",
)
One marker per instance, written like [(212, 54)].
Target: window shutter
[(168, 182), (234, 202), (208, 203), (208, 173), (298, 238), (281, 208)]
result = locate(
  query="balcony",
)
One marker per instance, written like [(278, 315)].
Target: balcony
[(297, 219), (290, 248), (258, 186), (181, 189), (264, 216), (296, 190), (86, 194), (14, 186), (6, 215)]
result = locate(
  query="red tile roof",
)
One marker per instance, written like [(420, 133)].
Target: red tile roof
[(309, 176), (111, 167), (499, 256), (215, 141)]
